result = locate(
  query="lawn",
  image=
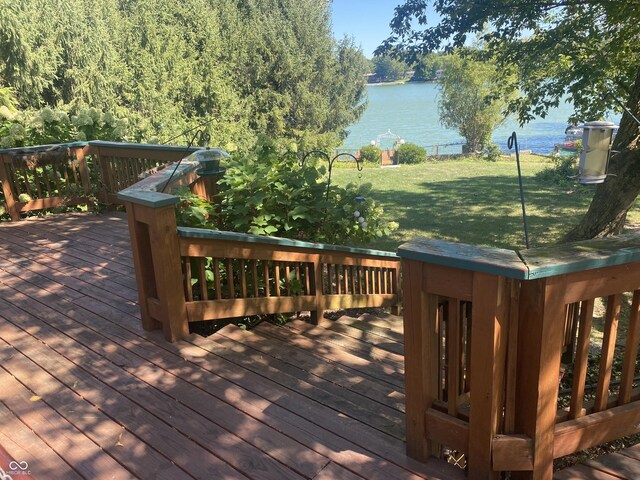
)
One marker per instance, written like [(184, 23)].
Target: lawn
[(471, 201)]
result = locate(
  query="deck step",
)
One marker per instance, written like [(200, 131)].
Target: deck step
[(261, 355), (364, 348)]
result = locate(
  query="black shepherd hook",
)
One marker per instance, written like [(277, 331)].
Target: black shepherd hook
[(204, 139), (511, 143), (331, 161)]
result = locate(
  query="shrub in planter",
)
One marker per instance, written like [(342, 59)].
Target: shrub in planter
[(266, 192), (410, 153), (370, 153)]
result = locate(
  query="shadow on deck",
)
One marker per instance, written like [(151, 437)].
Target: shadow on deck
[(86, 393)]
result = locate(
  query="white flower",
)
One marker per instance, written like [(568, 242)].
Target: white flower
[(361, 220), (356, 214), (364, 224)]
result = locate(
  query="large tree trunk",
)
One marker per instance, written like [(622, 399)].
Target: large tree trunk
[(613, 198)]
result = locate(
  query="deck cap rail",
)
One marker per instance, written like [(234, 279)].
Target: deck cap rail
[(142, 146), (41, 148), (148, 191), (495, 261), (540, 262), (201, 233)]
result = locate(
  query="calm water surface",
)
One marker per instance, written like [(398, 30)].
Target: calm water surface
[(411, 111)]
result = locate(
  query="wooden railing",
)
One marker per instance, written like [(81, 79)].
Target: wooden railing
[(494, 339), (50, 176), (230, 275), (191, 275)]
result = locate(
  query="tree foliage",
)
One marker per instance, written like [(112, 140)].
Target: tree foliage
[(250, 67), (388, 69), (466, 102), (564, 49), (428, 66)]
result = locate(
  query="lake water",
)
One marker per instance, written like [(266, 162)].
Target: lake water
[(411, 112)]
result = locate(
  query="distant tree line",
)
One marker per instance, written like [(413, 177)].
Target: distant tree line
[(247, 67)]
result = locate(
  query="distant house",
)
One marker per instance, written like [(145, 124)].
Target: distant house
[(439, 74)]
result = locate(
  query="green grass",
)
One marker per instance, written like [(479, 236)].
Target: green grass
[(471, 201)]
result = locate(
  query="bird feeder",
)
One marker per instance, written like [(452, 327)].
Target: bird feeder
[(210, 170), (596, 147), (209, 160)]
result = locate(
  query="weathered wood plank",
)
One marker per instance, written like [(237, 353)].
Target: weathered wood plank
[(23, 445)]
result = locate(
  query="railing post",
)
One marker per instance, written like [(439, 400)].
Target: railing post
[(317, 315), (10, 200), (82, 167), (541, 332), (421, 359), (489, 335), (156, 255)]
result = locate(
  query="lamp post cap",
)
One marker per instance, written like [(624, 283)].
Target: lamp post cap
[(600, 124)]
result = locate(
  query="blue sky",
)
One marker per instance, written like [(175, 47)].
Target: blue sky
[(367, 21)]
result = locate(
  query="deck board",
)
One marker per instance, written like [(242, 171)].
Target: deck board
[(139, 407)]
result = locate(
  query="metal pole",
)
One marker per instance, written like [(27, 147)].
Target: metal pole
[(511, 142)]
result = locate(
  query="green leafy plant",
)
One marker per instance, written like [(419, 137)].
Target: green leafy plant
[(266, 192), (491, 152), (561, 173), (371, 154), (193, 211), (410, 153)]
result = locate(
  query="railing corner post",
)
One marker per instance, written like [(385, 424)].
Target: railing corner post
[(156, 255), (421, 360), (9, 198)]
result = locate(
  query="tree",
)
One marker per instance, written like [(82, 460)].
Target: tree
[(243, 67), (388, 69), (466, 101), (428, 66), (577, 49)]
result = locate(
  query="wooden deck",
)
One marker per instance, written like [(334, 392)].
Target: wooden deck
[(86, 393)]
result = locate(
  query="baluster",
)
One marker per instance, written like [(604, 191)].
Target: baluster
[(453, 355), (188, 290), (276, 266), (338, 280), (45, 176), (74, 170), (630, 351), (232, 289), (307, 279), (65, 171), (287, 279), (36, 180), (27, 184), (243, 278), (352, 278), (254, 269), (265, 269), (202, 278), (385, 280), (216, 278), (345, 278), (580, 363), (608, 349)]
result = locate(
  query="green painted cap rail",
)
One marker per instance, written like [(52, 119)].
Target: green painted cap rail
[(529, 264), (188, 232), (143, 146), (41, 148)]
